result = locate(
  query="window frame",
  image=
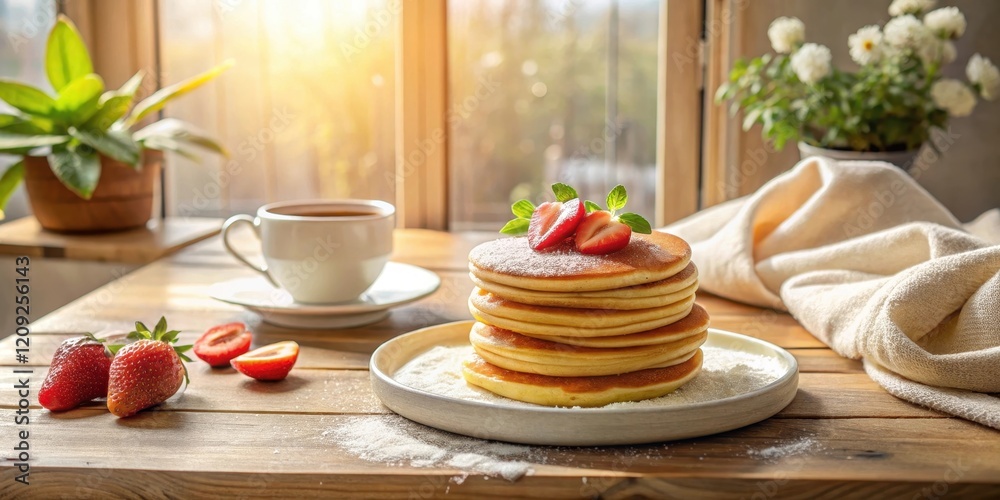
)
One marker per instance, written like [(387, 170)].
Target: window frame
[(421, 128)]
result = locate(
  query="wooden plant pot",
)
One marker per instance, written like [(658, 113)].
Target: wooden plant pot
[(123, 198)]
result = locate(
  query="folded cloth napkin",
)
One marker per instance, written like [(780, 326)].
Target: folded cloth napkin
[(871, 264)]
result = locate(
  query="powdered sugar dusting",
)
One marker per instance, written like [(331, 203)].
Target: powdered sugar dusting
[(797, 447), (513, 257), (394, 440), (725, 373)]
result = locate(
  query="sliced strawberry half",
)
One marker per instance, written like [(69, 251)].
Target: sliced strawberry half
[(600, 233), (220, 344), (271, 362), (553, 222)]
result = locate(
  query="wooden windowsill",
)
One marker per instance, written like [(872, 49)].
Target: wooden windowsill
[(139, 246)]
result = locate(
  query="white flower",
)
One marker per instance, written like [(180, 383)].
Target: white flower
[(916, 7), (937, 51), (946, 22), (906, 32), (984, 74), (786, 33), (953, 96), (811, 63), (866, 45)]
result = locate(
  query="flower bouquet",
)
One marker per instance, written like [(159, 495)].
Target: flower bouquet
[(889, 104)]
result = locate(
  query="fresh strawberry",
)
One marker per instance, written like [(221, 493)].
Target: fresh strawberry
[(553, 222), (220, 344), (599, 233), (79, 373), (271, 362), (146, 372)]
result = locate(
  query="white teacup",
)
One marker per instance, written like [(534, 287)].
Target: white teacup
[(320, 251)]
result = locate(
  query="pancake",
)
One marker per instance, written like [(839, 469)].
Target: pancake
[(621, 304), (580, 391), (516, 352), (686, 325), (494, 305), (646, 259), (623, 297), (538, 329)]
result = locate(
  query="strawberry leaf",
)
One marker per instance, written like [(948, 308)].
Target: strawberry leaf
[(617, 198), (134, 336), (591, 206), (516, 227), (160, 328), (91, 337), (114, 348), (636, 222), (141, 328), (563, 192), (523, 209), (182, 349)]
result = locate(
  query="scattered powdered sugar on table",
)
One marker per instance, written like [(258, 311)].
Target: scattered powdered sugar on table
[(797, 447), (724, 373), (393, 440)]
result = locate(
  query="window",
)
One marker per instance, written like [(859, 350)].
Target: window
[(25, 25), (308, 110), (543, 92)]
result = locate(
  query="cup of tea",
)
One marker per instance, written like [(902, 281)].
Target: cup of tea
[(320, 251)]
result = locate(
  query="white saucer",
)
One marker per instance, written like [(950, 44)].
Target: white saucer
[(518, 422), (397, 285)]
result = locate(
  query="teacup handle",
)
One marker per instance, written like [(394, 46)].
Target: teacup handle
[(255, 224)]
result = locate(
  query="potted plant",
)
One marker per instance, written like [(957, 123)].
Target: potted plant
[(85, 168), (885, 110)]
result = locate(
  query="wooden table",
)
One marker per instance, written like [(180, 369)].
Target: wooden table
[(230, 436)]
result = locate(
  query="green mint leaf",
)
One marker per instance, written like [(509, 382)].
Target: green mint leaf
[(516, 227), (591, 206), (617, 198), (636, 222), (523, 209), (563, 192)]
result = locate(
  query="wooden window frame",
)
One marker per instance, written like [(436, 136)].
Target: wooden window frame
[(421, 168)]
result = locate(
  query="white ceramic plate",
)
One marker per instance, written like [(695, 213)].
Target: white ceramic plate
[(397, 285), (540, 425)]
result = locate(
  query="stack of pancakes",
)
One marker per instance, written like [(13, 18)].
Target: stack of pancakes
[(560, 328)]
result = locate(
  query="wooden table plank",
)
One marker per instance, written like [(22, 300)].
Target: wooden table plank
[(820, 395), (138, 246), (918, 450)]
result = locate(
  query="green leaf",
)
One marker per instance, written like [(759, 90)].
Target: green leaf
[(27, 125), (182, 132), (167, 144), (617, 198), (66, 56), (523, 209), (161, 97), (142, 328), (516, 227), (591, 206), (114, 348), (636, 222), (77, 170), (134, 336), (113, 105), (563, 192), (182, 349), (116, 144), (9, 182), (17, 141), (77, 102), (160, 328), (26, 98)]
